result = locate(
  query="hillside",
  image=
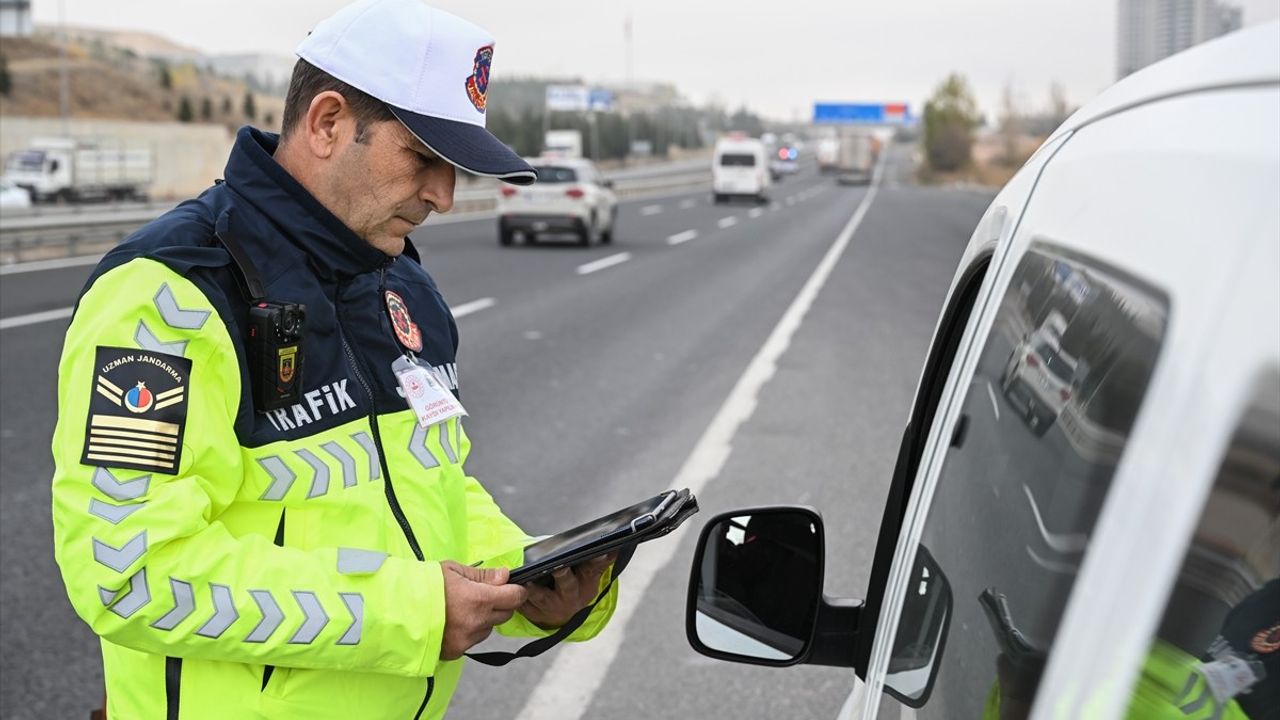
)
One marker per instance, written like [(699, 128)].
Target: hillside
[(110, 82)]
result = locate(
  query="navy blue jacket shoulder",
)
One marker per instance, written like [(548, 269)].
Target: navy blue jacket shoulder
[(304, 255)]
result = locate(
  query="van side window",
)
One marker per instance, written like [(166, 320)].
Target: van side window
[(1216, 652), (1055, 393)]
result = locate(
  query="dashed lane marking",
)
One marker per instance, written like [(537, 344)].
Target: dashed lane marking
[(727, 222), (682, 237), (474, 306), (603, 263), (33, 318)]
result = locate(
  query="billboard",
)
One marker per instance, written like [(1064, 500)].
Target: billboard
[(862, 113), (568, 97)]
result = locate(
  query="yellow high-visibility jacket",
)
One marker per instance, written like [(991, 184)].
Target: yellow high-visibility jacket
[(248, 564)]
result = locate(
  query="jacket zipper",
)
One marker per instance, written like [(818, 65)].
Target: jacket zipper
[(392, 502)]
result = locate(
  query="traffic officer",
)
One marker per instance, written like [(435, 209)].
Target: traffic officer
[(259, 500)]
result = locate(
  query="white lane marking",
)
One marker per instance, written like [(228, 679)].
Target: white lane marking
[(572, 680), (1062, 542), (57, 264), (603, 263), (650, 209), (682, 237), (1051, 565), (755, 212), (686, 204), (995, 408), (474, 306), (33, 318), (727, 222)]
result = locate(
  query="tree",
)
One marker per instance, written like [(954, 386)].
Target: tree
[(950, 117), (249, 108), (6, 84), (206, 109), (226, 104), (166, 78), (185, 113), (268, 120)]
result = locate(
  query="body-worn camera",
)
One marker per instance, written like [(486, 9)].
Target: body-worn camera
[(275, 353)]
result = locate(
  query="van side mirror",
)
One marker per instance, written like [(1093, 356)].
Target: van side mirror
[(608, 184), (922, 633), (755, 592)]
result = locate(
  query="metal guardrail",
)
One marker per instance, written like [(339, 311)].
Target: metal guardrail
[(84, 229)]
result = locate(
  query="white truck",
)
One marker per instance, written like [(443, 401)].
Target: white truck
[(562, 143), (67, 169), (856, 157)]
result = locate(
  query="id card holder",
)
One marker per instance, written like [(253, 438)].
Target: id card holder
[(426, 396)]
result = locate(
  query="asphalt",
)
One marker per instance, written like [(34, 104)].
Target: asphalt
[(587, 392)]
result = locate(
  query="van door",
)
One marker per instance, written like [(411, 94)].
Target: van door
[(1006, 512)]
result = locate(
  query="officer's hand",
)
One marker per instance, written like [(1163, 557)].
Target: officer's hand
[(475, 600), (574, 589)]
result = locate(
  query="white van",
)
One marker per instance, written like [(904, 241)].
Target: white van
[(1122, 561), (740, 168)]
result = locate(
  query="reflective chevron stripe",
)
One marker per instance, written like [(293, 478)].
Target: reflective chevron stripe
[(281, 477), (112, 513), (366, 442), (272, 616), (184, 603), (224, 612), (315, 616), (139, 594), (175, 316), (147, 340), (418, 447), (357, 561), (344, 459), (319, 473), (120, 491), (444, 443), (355, 606), (123, 557)]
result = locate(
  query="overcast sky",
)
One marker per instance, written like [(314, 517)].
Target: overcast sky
[(777, 58)]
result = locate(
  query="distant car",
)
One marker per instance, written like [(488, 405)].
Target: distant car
[(571, 197), (1124, 283), (1038, 379), (12, 196), (785, 161), (739, 169)]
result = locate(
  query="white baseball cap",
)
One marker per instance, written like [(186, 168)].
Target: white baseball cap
[(432, 71)]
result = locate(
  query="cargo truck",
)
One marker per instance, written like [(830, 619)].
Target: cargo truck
[(65, 169), (856, 157)]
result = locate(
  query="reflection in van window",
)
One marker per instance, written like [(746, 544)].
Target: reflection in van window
[(737, 160), (1222, 618), (1050, 408)]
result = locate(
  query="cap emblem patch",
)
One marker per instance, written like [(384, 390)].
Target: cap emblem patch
[(478, 80)]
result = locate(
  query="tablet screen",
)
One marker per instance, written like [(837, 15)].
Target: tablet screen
[(597, 531)]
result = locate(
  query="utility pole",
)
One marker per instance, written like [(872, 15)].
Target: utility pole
[(64, 91)]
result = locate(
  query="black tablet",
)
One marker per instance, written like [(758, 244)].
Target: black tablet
[(646, 520)]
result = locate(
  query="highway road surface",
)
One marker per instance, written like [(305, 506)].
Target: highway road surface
[(760, 354)]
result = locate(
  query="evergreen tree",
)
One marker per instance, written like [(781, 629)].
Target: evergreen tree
[(249, 109), (206, 109), (185, 113)]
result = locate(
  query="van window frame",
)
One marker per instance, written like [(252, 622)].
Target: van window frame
[(933, 380)]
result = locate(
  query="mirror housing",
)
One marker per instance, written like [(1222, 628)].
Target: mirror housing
[(755, 592), (608, 184)]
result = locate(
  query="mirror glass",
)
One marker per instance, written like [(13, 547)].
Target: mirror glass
[(759, 580), (922, 631)]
